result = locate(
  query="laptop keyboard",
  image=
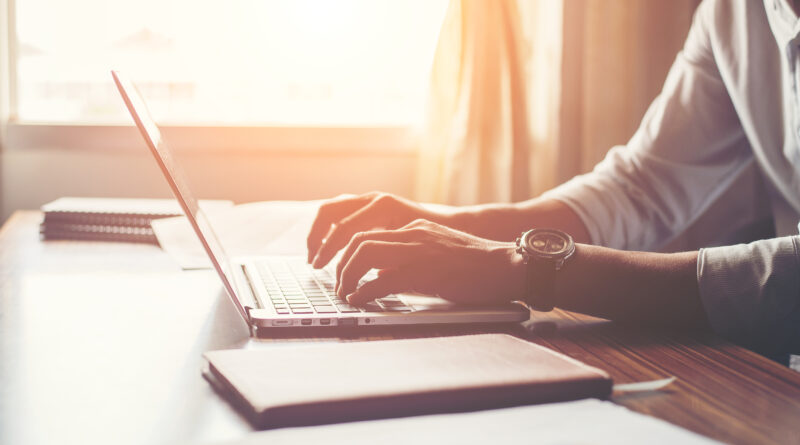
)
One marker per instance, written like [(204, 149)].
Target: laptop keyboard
[(294, 287)]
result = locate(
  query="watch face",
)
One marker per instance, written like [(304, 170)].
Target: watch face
[(548, 243)]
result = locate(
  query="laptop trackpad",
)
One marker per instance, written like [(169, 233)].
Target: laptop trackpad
[(426, 303)]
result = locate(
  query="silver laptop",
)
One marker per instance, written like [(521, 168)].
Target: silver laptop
[(279, 292)]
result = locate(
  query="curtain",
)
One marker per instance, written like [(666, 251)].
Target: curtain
[(477, 145), (526, 94), (616, 54)]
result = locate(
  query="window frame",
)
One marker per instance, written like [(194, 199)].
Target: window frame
[(7, 64), (390, 141), (221, 139)]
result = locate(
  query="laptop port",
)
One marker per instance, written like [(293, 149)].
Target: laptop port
[(281, 322), (306, 322), (347, 322), (324, 321)]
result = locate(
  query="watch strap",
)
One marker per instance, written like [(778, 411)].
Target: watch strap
[(540, 284)]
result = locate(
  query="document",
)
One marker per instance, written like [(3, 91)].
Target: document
[(258, 228), (588, 421)]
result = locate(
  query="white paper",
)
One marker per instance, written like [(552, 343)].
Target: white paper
[(587, 421), (651, 385), (259, 228)]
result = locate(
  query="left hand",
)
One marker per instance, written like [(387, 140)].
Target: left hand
[(428, 258)]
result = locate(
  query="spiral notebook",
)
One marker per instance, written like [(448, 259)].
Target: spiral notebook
[(110, 219)]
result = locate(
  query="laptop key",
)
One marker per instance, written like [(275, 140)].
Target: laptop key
[(347, 308), (302, 311), (373, 307), (282, 311), (325, 309)]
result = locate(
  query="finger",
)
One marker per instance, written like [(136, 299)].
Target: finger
[(398, 236), (376, 255), (329, 213), (341, 233), (389, 282), (417, 223)]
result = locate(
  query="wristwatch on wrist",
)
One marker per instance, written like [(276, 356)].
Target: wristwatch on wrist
[(544, 251)]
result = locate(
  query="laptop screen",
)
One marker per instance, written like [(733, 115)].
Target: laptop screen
[(178, 184)]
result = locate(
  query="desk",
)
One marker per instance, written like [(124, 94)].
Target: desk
[(92, 353)]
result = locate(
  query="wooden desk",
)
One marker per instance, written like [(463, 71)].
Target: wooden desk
[(101, 343)]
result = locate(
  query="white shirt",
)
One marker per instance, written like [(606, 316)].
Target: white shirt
[(731, 99)]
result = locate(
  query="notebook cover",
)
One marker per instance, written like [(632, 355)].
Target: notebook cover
[(337, 382), (117, 211)]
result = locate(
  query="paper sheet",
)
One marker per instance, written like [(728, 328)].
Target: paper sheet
[(588, 421), (259, 228)]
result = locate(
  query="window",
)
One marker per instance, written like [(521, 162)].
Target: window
[(290, 63)]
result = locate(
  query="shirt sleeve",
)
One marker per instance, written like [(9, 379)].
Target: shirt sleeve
[(689, 148), (751, 293)]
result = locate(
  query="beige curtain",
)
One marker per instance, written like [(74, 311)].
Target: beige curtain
[(616, 54), (477, 146), (526, 94)]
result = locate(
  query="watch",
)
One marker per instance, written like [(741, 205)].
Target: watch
[(544, 252)]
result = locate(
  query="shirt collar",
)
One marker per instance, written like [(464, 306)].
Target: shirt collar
[(783, 21)]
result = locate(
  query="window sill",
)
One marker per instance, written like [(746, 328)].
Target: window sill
[(372, 141)]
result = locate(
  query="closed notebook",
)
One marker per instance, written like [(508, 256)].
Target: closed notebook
[(336, 382), (110, 219)]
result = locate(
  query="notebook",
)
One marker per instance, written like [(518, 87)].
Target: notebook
[(110, 219), (337, 382)]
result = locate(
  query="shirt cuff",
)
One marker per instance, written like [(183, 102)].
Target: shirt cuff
[(751, 293)]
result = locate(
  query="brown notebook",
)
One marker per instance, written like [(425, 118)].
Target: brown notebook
[(337, 382)]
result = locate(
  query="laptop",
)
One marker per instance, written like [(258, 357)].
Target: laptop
[(280, 292)]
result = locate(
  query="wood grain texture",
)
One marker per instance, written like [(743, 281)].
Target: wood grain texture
[(83, 363)]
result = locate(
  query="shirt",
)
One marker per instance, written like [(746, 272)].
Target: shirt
[(730, 100)]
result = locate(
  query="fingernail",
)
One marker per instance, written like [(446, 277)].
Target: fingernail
[(349, 298)]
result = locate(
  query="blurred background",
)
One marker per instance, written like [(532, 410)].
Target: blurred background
[(449, 101)]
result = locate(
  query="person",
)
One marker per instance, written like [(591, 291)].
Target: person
[(730, 101)]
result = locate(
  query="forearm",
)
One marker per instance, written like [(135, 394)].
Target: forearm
[(640, 287), (504, 222), (652, 288)]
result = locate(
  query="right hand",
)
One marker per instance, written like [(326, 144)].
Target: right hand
[(340, 218)]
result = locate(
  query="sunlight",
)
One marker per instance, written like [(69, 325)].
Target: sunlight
[(307, 62)]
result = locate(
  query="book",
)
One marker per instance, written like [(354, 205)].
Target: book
[(338, 382), (110, 219)]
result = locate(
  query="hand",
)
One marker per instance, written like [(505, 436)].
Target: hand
[(339, 219), (428, 258)]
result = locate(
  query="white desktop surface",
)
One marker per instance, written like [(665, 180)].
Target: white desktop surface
[(103, 342)]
